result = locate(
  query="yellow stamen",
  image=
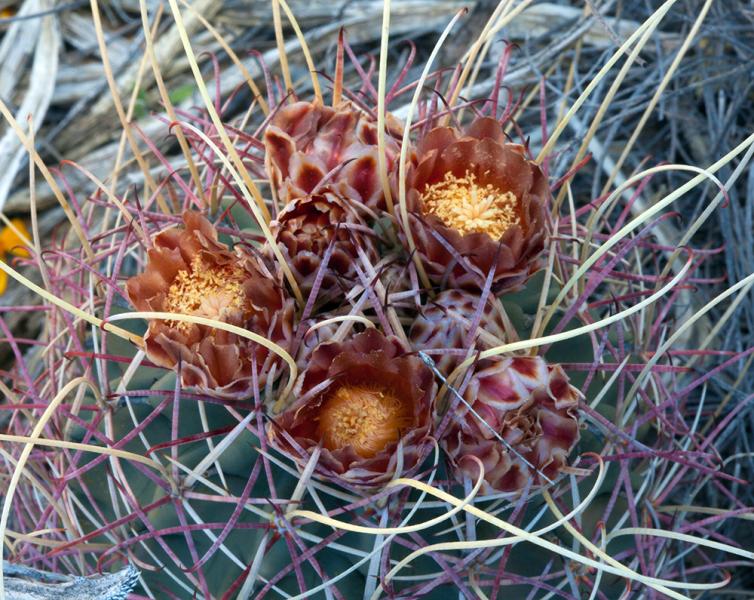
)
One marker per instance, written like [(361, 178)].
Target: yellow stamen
[(205, 291), (365, 418), (465, 205)]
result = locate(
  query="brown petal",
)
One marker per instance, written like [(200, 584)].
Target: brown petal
[(426, 172), (165, 265), (196, 224), (437, 139), (501, 166), (306, 172), (456, 158), (332, 141), (486, 127), (560, 429), (279, 148), (298, 119), (222, 360), (363, 177)]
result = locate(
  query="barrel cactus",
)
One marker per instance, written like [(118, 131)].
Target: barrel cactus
[(312, 397)]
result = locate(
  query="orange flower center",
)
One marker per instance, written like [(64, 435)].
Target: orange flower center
[(204, 291), (465, 205), (365, 418)]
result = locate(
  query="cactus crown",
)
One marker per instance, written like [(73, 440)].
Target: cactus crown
[(371, 373)]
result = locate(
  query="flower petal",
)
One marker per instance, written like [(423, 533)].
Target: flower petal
[(14, 241)]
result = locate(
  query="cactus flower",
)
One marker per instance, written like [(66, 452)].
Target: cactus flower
[(305, 230), (308, 143), (367, 403), (190, 272), (477, 205), (445, 322), (527, 403)]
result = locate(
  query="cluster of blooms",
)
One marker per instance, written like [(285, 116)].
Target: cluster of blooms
[(369, 403)]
